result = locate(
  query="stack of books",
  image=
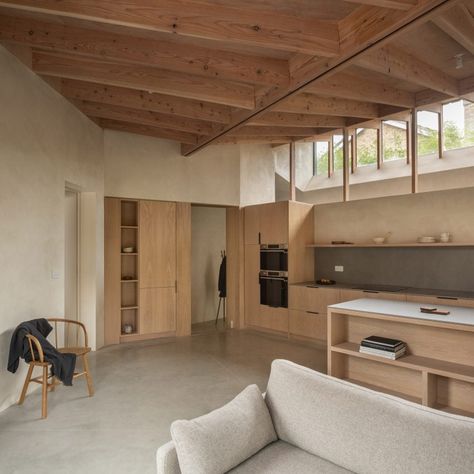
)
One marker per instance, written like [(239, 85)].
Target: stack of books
[(383, 347)]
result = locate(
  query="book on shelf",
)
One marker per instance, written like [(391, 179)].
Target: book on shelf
[(382, 353), (382, 348), (383, 342)]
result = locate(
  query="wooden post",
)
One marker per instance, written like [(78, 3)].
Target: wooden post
[(330, 157), (440, 133), (380, 146), (353, 152), (346, 165), (408, 138), (414, 151), (292, 171)]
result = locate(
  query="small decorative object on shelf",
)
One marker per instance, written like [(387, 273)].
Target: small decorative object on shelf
[(383, 347), (430, 310), (127, 277), (128, 250), (341, 242), (445, 237), (127, 329)]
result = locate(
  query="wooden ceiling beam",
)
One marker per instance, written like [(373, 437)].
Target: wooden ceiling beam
[(144, 117), (394, 62), (458, 23), (374, 28), (144, 78), (174, 56), (280, 119), (350, 86), (156, 132), (143, 100), (270, 29), (255, 131), (235, 140), (313, 104), (392, 4)]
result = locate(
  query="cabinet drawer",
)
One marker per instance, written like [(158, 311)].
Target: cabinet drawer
[(349, 295), (440, 300), (317, 300), (313, 326), (274, 319)]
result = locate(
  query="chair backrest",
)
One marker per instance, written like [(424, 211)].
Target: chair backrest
[(34, 344), (68, 333), (362, 430)]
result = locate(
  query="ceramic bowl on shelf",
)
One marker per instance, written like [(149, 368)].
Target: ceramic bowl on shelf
[(426, 239), (128, 250), (379, 240)]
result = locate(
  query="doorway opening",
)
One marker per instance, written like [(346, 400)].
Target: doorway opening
[(208, 230), (71, 254)]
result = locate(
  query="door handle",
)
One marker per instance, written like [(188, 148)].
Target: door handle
[(259, 238), (312, 312)]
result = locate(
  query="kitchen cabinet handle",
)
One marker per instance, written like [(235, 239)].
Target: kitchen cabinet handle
[(312, 312), (453, 298), (259, 237), (370, 291)]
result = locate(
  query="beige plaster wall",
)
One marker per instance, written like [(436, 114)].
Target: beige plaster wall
[(407, 217), (44, 143), (149, 168)]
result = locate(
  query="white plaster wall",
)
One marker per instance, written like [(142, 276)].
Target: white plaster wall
[(407, 217), (303, 163), (208, 239), (44, 142), (150, 168), (257, 174)]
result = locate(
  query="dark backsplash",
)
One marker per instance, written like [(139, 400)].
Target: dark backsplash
[(435, 268)]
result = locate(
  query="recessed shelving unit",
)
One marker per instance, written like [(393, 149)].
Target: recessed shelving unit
[(437, 371), (129, 293)]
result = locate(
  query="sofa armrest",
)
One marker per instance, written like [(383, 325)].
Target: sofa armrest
[(167, 459)]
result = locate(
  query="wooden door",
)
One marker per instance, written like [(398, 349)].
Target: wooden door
[(252, 224), (274, 223), (157, 244), (157, 268), (252, 286), (157, 310)]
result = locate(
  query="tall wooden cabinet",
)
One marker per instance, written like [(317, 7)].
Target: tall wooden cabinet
[(285, 222), (147, 269)]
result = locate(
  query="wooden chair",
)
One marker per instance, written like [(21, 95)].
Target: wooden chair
[(69, 326)]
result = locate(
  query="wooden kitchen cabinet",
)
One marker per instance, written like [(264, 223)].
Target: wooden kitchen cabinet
[(274, 222), (252, 287), (440, 300), (266, 223), (308, 325), (157, 244), (349, 294), (272, 319), (157, 310)]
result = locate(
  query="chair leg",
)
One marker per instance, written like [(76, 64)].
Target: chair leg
[(44, 408), (52, 386), (218, 310), (90, 387), (25, 385)]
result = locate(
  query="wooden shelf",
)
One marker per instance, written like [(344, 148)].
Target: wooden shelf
[(129, 335), (408, 244), (128, 281), (422, 364), (129, 227), (454, 411), (129, 253), (384, 390), (125, 308)]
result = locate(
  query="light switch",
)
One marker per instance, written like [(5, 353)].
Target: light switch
[(339, 268), (55, 275)]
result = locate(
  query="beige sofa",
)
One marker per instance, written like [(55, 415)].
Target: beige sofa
[(326, 425)]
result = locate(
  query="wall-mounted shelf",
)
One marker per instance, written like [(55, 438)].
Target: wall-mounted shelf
[(126, 308), (129, 227), (128, 253), (128, 281), (394, 245)]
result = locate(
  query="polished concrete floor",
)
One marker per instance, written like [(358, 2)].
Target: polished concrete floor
[(140, 389)]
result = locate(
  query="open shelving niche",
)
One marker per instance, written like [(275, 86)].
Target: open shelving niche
[(129, 278), (419, 377)]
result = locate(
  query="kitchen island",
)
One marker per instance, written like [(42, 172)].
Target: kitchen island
[(438, 369)]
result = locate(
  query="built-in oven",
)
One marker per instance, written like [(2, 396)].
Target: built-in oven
[(274, 288), (274, 257)]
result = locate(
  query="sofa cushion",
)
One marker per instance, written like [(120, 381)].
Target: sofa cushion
[(222, 439), (283, 458), (365, 431)]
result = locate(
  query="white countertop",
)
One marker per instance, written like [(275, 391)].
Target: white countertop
[(458, 315)]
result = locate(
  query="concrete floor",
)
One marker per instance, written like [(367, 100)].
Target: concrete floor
[(140, 389)]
